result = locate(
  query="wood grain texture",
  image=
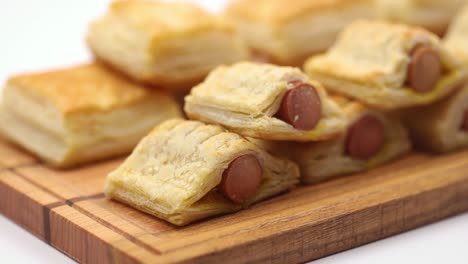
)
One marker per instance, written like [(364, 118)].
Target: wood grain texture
[(68, 210)]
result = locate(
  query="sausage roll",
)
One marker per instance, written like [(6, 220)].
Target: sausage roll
[(288, 31), (84, 113), (265, 101), (443, 126), (184, 171), (173, 45), (456, 40), (434, 15), (371, 139), (387, 65)]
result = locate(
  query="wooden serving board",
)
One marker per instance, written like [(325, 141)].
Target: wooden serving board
[(68, 210)]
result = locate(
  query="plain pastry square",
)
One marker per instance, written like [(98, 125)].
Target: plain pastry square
[(166, 44), (456, 40), (288, 31), (434, 15), (438, 127), (245, 97), (320, 161), (80, 114), (369, 62), (174, 172)]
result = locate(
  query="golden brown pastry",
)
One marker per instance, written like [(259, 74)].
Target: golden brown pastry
[(456, 40), (184, 171), (265, 101), (80, 114), (173, 45), (434, 15), (387, 65), (442, 126), (372, 138), (288, 31)]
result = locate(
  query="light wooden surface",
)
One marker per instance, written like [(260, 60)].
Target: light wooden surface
[(68, 210)]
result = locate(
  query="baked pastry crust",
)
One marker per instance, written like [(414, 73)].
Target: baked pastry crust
[(369, 62), (174, 172), (276, 29), (437, 127), (320, 161), (245, 97), (75, 115), (434, 15), (457, 37), (173, 45)]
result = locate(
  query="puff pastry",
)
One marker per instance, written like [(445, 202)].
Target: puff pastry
[(174, 173), (373, 61), (71, 116), (173, 45), (457, 37), (246, 97), (442, 126), (434, 15), (288, 31), (320, 161)]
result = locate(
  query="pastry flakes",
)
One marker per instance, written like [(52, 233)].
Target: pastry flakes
[(288, 31), (370, 61), (79, 114), (166, 44), (174, 172), (246, 96)]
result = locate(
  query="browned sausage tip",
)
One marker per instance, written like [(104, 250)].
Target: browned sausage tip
[(424, 69), (365, 138), (301, 106), (241, 179)]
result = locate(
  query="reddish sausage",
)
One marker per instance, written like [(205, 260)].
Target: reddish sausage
[(424, 69), (465, 121), (241, 179), (301, 106), (365, 138)]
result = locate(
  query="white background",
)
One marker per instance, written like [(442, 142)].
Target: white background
[(39, 34)]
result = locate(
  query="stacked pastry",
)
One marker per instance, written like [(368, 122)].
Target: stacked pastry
[(399, 67), (88, 112), (256, 129), (443, 126), (289, 31)]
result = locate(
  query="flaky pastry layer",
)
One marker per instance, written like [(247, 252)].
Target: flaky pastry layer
[(369, 62), (174, 172), (173, 45), (80, 114), (324, 160), (437, 127), (289, 31), (245, 97)]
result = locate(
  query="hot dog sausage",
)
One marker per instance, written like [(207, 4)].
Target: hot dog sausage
[(301, 106), (241, 179), (424, 69), (365, 138)]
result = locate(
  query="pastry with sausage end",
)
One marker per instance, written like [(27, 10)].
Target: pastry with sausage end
[(184, 171), (288, 31), (173, 45), (80, 114), (442, 126), (387, 65), (265, 101), (371, 138)]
